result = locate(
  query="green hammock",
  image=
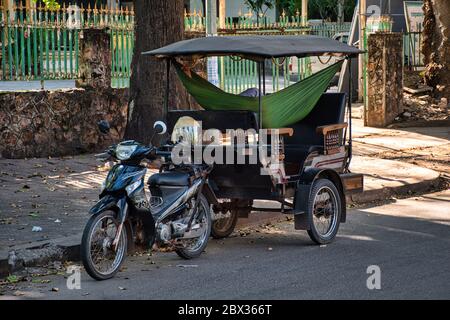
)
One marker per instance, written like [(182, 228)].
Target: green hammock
[(279, 109)]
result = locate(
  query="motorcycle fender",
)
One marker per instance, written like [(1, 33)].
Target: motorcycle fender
[(107, 202), (110, 202)]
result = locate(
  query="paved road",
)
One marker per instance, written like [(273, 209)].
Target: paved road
[(408, 239)]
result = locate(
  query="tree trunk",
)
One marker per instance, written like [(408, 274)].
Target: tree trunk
[(340, 11), (436, 45), (158, 23)]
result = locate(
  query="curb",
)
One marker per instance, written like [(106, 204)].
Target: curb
[(39, 254), (388, 192), (68, 248)]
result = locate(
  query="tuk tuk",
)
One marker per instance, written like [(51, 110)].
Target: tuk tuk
[(307, 127)]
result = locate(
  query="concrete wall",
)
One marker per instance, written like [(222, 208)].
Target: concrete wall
[(56, 123), (384, 79)]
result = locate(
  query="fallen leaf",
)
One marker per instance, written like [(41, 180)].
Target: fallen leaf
[(36, 174), (40, 281), (12, 279), (187, 265)]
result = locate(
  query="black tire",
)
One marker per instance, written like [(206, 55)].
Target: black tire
[(86, 257), (222, 228), (187, 253), (326, 188)]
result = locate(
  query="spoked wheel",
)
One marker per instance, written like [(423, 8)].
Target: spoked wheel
[(192, 248), (324, 210), (223, 227), (100, 257)]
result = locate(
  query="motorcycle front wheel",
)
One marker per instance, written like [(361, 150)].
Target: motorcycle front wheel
[(101, 259)]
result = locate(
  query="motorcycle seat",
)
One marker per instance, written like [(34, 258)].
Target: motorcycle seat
[(169, 178)]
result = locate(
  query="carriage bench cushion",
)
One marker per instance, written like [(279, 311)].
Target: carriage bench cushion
[(169, 178), (330, 109)]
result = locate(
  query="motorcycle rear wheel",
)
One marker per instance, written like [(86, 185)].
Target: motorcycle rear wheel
[(199, 244)]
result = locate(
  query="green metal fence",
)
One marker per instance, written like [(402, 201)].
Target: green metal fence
[(43, 44), (235, 76), (412, 50), (196, 22)]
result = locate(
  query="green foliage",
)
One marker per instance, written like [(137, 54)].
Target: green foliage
[(50, 4), (12, 279), (290, 7), (260, 6), (317, 9), (328, 9)]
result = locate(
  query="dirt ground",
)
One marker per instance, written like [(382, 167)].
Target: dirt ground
[(436, 158), (421, 106)]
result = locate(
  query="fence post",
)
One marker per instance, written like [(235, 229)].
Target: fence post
[(95, 60)]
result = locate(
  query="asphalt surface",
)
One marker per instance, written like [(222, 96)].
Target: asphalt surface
[(409, 240)]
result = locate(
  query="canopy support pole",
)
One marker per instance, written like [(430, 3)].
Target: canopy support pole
[(259, 95), (166, 97), (264, 76), (350, 98)]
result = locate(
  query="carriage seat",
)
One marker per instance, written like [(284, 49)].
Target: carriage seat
[(169, 178), (330, 109)]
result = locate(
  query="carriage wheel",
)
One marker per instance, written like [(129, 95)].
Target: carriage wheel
[(222, 228), (324, 211)]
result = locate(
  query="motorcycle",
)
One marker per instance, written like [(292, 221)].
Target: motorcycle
[(176, 214)]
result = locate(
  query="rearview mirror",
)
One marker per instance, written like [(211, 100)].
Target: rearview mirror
[(160, 127), (103, 126)]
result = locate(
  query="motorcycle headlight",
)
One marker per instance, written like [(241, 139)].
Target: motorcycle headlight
[(125, 152)]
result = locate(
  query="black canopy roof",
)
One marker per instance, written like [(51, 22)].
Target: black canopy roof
[(256, 47)]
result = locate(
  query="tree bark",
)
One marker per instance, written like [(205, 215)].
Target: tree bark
[(158, 23), (436, 45), (340, 11)]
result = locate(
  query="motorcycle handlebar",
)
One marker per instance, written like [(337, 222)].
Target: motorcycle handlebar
[(166, 154)]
